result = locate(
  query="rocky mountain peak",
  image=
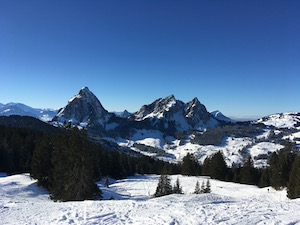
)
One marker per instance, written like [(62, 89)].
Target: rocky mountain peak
[(82, 108), (156, 109), (195, 108)]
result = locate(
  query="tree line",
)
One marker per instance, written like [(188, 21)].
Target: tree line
[(283, 170), (68, 164)]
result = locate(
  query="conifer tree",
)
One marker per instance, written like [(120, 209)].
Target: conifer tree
[(208, 187), (177, 189), (41, 161), (197, 188), (215, 167), (73, 169), (164, 186), (202, 187), (264, 180), (293, 187), (189, 165), (106, 183), (248, 174)]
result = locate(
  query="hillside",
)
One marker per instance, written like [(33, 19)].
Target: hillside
[(22, 202)]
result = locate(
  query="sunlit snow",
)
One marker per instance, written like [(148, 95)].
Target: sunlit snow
[(22, 202)]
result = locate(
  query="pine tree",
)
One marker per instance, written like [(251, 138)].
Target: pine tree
[(41, 161), (264, 179), (164, 186), (73, 169), (293, 187), (197, 188), (202, 190), (106, 183), (177, 189), (208, 187), (248, 174), (280, 166), (190, 166), (215, 167)]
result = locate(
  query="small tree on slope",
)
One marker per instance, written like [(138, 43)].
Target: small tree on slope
[(164, 186), (177, 189), (197, 188)]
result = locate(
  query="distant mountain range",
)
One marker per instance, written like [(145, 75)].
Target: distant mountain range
[(169, 128), (24, 110)]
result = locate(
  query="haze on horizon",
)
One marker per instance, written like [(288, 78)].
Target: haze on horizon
[(241, 58)]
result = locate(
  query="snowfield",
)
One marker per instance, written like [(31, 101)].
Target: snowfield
[(22, 202)]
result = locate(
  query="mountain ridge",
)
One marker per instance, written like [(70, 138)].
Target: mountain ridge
[(168, 129)]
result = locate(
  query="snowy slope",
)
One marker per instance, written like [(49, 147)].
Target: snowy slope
[(22, 202), (282, 120), (24, 110)]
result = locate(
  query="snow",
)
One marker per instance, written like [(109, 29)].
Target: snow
[(293, 136), (263, 148), (22, 202), (151, 138), (284, 120), (235, 150)]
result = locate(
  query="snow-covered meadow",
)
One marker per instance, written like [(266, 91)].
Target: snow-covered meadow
[(22, 202)]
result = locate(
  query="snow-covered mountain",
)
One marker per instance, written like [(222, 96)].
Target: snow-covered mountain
[(186, 116), (282, 120), (169, 129), (24, 110), (84, 110), (220, 116)]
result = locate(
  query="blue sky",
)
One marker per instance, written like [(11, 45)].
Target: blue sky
[(240, 57)]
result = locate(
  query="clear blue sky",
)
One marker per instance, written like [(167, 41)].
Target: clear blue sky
[(241, 57)]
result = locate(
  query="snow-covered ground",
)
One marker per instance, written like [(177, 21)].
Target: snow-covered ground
[(231, 147), (22, 202)]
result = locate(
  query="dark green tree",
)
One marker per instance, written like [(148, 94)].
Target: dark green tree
[(197, 188), (207, 189), (177, 189), (248, 174), (41, 161), (215, 167), (264, 180), (190, 166), (73, 169), (293, 187), (106, 183), (164, 186), (280, 166)]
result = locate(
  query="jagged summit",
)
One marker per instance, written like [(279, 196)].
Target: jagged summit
[(82, 108), (191, 115), (156, 109)]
